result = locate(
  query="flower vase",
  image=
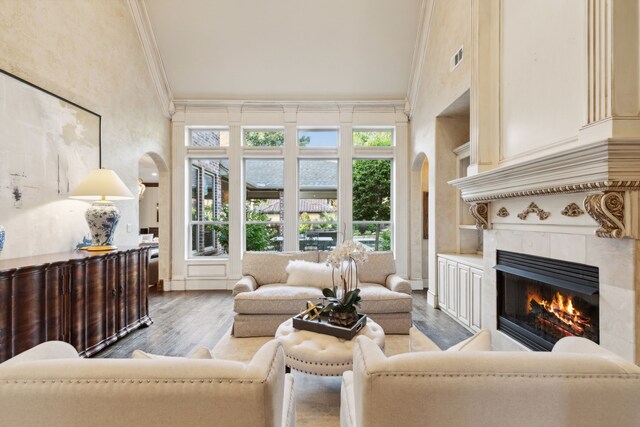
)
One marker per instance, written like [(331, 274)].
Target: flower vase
[(343, 319)]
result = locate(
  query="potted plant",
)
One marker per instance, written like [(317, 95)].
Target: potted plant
[(342, 301)]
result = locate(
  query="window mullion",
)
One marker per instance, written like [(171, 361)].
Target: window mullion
[(290, 187)]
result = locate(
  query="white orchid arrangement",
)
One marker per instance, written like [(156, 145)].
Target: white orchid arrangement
[(345, 259)]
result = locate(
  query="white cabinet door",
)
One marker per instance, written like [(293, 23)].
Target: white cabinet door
[(464, 297), (452, 288), (476, 300), (442, 283)]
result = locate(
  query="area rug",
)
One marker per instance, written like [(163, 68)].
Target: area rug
[(317, 398)]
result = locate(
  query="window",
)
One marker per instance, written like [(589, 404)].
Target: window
[(318, 138), (318, 204), (264, 137), (372, 203), (264, 204), (209, 224), (373, 138), (211, 137)]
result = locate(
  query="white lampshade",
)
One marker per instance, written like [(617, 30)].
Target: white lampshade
[(101, 183)]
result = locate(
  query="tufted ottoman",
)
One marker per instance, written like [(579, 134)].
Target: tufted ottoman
[(321, 354)]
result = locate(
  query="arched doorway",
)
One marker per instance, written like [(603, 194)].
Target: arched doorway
[(153, 215), (420, 217)]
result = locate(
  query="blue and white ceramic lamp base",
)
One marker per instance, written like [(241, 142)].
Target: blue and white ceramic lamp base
[(103, 217), (2, 234)]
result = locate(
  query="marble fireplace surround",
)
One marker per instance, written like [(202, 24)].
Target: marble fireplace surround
[(579, 206)]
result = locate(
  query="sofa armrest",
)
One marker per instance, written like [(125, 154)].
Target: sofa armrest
[(45, 351), (347, 401), (398, 284), (245, 284), (289, 404)]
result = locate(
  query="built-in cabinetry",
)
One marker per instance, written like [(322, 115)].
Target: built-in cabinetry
[(460, 288), (87, 299), (469, 237)]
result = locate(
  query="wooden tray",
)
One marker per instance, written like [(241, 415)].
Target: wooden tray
[(323, 326)]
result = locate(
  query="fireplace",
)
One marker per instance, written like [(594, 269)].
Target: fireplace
[(541, 300)]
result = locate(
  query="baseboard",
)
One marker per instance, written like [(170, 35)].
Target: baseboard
[(417, 285)]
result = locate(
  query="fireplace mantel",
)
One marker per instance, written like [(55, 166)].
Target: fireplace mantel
[(608, 172), (610, 165)]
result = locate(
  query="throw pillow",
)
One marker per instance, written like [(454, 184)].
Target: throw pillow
[(305, 273), (479, 342), (201, 353)]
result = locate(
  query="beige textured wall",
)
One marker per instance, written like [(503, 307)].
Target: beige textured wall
[(88, 52), (543, 78), (451, 28)]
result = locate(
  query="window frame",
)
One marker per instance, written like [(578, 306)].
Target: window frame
[(281, 222), (189, 137), (245, 129), (197, 222), (391, 129), (392, 202)]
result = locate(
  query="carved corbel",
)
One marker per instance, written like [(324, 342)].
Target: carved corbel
[(480, 213), (607, 209), (533, 208)]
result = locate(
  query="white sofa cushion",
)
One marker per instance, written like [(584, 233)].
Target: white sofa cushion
[(379, 299), (277, 298), (305, 273), (285, 299), (377, 268), (269, 267), (201, 353)]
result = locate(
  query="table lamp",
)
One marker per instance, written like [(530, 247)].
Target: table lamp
[(102, 185)]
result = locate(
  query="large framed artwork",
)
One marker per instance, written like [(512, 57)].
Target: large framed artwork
[(48, 144)]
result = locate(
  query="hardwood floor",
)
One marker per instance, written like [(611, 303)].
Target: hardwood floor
[(184, 321)]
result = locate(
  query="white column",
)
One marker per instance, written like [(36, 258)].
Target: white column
[(345, 195), (612, 106), (290, 179), (179, 230), (485, 86), (401, 188), (236, 193)]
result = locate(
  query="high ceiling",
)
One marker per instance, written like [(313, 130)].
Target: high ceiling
[(286, 49)]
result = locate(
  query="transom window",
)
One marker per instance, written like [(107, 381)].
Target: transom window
[(209, 137), (373, 138), (263, 137), (316, 138)]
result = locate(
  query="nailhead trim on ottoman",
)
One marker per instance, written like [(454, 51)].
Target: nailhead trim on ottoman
[(321, 354)]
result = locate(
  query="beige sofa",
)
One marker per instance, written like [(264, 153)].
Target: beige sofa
[(263, 300), (577, 384), (49, 385)]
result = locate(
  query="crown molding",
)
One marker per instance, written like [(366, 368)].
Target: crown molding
[(610, 165), (152, 55), (419, 54), (280, 105)]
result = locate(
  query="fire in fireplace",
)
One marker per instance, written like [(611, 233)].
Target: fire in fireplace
[(541, 300)]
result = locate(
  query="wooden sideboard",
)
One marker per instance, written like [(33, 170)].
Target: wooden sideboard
[(88, 299)]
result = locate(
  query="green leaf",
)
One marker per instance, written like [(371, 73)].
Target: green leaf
[(328, 293)]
